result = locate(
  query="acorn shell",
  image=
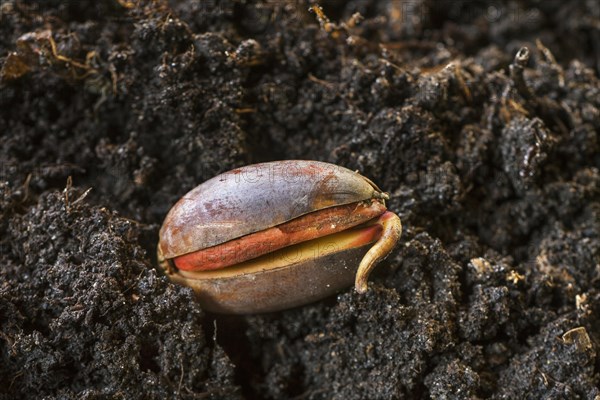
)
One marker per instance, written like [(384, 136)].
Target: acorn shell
[(277, 289), (256, 197)]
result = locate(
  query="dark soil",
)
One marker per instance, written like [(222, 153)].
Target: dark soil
[(481, 120)]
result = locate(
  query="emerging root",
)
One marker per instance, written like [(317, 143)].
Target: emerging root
[(392, 229)]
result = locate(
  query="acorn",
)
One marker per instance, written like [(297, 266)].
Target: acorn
[(276, 235)]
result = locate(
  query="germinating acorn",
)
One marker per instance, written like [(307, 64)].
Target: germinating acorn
[(275, 235)]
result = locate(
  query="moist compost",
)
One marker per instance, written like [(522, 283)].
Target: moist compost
[(480, 119)]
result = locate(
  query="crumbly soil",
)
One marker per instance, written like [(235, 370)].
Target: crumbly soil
[(481, 120)]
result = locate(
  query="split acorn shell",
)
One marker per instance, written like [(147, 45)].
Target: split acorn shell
[(276, 235)]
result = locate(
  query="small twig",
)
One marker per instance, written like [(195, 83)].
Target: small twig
[(180, 378), (88, 70), (83, 196), (245, 110), (66, 193), (324, 21), (313, 78), (517, 67), (26, 186)]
